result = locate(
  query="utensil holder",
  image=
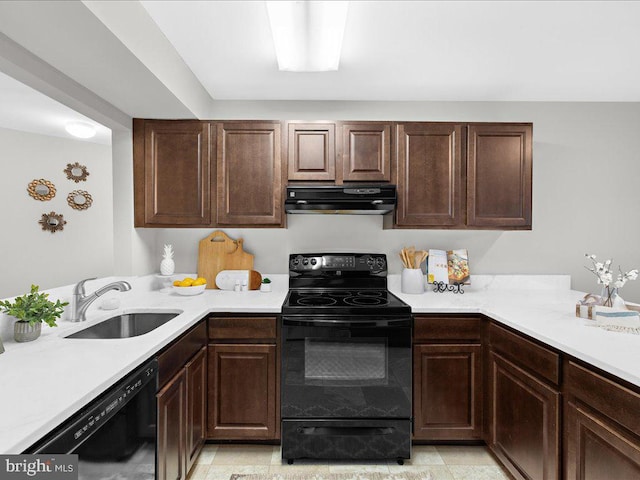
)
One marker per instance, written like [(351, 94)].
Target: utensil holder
[(412, 281)]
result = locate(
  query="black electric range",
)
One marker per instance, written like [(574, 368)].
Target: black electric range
[(346, 361)]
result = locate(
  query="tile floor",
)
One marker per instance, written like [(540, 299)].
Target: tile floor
[(218, 462)]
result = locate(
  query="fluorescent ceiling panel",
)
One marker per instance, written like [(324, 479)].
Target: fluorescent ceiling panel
[(307, 35)]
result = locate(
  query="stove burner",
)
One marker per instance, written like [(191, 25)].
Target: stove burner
[(316, 300), (370, 293), (366, 300)]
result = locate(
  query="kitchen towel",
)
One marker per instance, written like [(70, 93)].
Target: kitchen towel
[(618, 320)]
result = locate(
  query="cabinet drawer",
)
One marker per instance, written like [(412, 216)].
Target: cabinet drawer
[(526, 353), (180, 352), (243, 328), (608, 397), (436, 328)]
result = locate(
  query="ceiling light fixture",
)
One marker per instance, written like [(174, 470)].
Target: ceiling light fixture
[(307, 34), (80, 129)]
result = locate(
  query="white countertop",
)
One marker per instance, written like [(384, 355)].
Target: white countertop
[(47, 380)]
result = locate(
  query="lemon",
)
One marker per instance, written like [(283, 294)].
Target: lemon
[(176, 283), (199, 281), (187, 282)]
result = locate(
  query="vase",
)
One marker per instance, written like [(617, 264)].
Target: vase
[(412, 281), (26, 332), (611, 298)]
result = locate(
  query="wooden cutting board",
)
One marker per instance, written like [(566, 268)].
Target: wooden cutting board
[(219, 252), (239, 259)]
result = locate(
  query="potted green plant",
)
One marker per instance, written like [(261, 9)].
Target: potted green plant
[(265, 286), (31, 310)]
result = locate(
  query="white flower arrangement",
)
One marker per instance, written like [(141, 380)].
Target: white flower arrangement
[(605, 276)]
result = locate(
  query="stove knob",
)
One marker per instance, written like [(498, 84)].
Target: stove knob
[(295, 262), (370, 261), (380, 262), (305, 262), (313, 261)]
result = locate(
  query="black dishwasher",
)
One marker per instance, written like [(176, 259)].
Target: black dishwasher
[(115, 435)]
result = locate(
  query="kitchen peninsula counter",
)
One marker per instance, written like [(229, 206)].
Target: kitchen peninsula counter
[(46, 381)]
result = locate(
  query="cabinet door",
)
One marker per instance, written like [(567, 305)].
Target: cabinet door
[(597, 448), (366, 152), (249, 174), (447, 392), (242, 392), (312, 151), (499, 176), (196, 382), (429, 166), (172, 173), (171, 428), (525, 424)]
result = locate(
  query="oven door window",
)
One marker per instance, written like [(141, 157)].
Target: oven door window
[(349, 362), (345, 371)]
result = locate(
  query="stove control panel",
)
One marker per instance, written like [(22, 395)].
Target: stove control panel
[(358, 262)]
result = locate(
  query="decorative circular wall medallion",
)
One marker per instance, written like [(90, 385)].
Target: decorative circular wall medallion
[(42, 189), (52, 222), (79, 200), (76, 172)]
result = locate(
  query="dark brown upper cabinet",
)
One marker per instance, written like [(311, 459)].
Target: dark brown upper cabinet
[(312, 151), (172, 173), (429, 175), (249, 173), (366, 152), (449, 175), (339, 152), (499, 176), (475, 176)]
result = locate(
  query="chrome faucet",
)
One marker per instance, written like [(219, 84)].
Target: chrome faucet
[(81, 301)]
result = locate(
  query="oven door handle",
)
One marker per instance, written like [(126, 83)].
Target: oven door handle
[(346, 322)]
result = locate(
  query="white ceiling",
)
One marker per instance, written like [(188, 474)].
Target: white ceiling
[(421, 50), (176, 59), (28, 110)]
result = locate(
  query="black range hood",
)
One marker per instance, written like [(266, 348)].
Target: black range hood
[(341, 199)]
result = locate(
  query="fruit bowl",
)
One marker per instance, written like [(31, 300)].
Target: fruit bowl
[(187, 291)]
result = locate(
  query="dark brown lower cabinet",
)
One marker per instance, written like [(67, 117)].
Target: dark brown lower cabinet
[(182, 404), (447, 392), (602, 427), (597, 448), (242, 392), (171, 427), (525, 421), (196, 425)]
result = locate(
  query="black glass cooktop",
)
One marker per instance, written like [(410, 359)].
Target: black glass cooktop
[(343, 302)]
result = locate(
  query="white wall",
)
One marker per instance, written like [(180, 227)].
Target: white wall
[(586, 163), (29, 254)]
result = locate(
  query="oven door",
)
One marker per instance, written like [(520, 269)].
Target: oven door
[(341, 367)]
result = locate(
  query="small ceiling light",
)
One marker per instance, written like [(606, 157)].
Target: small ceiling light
[(80, 129), (307, 34)]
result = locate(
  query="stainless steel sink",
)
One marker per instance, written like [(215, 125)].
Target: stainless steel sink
[(125, 326)]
